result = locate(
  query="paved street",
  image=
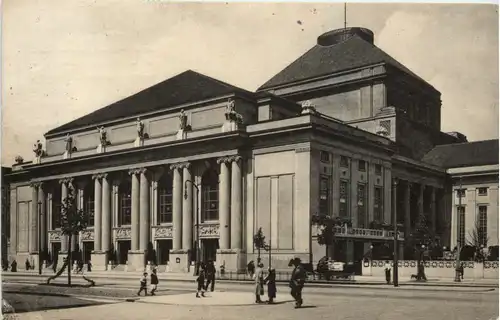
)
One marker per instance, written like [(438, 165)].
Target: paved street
[(335, 303)]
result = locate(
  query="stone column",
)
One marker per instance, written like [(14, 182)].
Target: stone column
[(43, 219), (64, 195), (433, 209), (406, 197), (135, 211), (420, 200), (187, 208), (177, 208), (236, 203), (224, 202), (106, 214), (97, 212), (145, 225), (33, 234)]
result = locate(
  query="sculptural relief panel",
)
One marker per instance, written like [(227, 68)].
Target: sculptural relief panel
[(164, 126), (205, 118)]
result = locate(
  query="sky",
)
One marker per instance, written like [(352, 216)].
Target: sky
[(63, 59)]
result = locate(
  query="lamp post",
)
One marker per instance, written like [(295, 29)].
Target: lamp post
[(40, 237), (197, 245), (459, 210), (395, 222), (371, 252)]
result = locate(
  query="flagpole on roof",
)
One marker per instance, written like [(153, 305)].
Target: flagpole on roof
[(345, 15)]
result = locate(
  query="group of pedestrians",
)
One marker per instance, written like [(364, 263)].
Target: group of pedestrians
[(206, 278), (144, 283)]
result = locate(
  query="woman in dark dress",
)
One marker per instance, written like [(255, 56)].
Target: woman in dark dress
[(271, 285)]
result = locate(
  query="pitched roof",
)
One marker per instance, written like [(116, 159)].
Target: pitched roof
[(187, 87), (469, 154), (354, 52)]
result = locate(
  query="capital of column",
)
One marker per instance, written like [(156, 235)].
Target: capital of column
[(66, 181), (36, 184), (137, 171), (395, 182), (229, 159), (180, 165)]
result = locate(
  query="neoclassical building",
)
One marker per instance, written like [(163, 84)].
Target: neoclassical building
[(193, 158)]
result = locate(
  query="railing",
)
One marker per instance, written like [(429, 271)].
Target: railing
[(281, 277), (366, 233)]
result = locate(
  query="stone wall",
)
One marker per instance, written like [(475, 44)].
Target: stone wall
[(434, 269)]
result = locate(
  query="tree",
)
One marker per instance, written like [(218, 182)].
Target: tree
[(422, 238), (73, 221), (478, 239), (327, 226), (259, 242)]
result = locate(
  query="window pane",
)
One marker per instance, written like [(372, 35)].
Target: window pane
[(378, 210), (483, 226), (361, 205), (344, 199)]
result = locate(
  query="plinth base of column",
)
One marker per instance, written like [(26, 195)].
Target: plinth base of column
[(135, 261), (179, 261), (233, 260), (99, 261)]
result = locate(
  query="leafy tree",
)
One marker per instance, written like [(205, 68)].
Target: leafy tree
[(73, 221), (259, 242), (327, 227), (477, 239)]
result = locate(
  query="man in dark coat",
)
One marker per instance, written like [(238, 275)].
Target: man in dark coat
[(210, 274), (297, 281)]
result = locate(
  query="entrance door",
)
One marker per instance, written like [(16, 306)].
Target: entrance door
[(54, 251), (88, 247), (209, 249), (123, 249), (163, 248)]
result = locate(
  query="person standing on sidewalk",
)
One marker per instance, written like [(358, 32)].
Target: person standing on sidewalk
[(259, 282), (271, 285), (387, 269), (154, 282), (143, 284), (297, 281), (201, 281), (210, 276)]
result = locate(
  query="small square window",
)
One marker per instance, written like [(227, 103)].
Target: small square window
[(362, 165), (482, 191), (378, 169), (344, 162), (324, 157), (461, 193)]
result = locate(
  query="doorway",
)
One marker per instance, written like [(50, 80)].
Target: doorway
[(209, 249), (55, 248), (163, 248), (88, 247), (123, 249)]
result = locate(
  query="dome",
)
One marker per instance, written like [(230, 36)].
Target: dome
[(333, 37)]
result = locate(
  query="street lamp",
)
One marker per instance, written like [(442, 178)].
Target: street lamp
[(371, 252), (457, 258), (40, 237), (197, 245), (395, 222)]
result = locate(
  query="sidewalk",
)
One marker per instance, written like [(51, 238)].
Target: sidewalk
[(243, 279)]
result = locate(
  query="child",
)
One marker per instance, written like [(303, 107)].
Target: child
[(271, 285), (154, 282), (144, 285), (201, 282)]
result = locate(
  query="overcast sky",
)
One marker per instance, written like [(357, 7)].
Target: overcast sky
[(63, 59)]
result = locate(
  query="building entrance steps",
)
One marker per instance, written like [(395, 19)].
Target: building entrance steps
[(217, 298)]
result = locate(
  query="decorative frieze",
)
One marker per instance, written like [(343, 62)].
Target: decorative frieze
[(123, 233), (209, 230), (163, 232), (54, 235), (87, 235)]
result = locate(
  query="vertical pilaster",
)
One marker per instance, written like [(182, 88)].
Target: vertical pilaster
[(177, 208), (135, 211), (236, 203), (406, 199), (187, 208), (224, 202), (433, 209), (64, 195), (144, 210), (420, 202), (43, 218), (97, 212), (33, 235), (106, 214)]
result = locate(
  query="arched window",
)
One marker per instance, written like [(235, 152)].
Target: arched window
[(165, 188), (125, 203), (210, 196), (56, 207), (88, 203)]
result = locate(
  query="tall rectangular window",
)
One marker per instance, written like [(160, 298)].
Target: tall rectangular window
[(344, 162), (378, 169), (461, 221), (362, 165), (324, 195), (460, 193), (361, 205), (482, 191), (344, 199), (483, 225), (378, 208), (324, 157), (165, 205)]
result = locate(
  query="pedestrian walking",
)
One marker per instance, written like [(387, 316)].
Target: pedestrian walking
[(387, 269), (143, 284), (297, 281), (201, 281), (270, 280), (154, 282), (210, 274), (259, 282)]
